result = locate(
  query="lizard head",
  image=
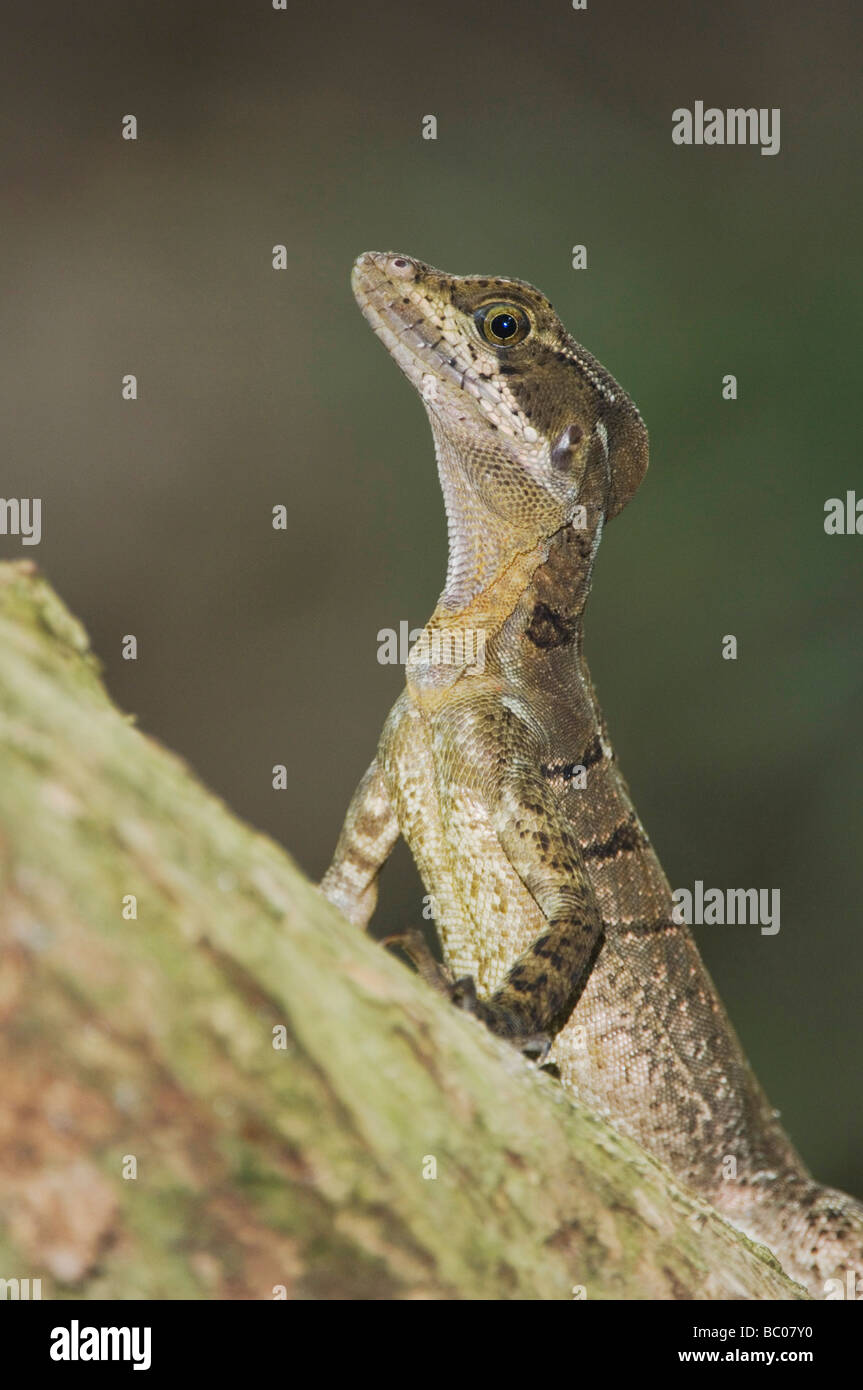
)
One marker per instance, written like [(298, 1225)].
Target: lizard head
[(530, 419)]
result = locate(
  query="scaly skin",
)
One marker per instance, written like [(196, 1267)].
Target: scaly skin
[(501, 777)]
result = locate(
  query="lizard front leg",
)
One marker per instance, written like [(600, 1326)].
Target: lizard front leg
[(368, 835), (544, 984)]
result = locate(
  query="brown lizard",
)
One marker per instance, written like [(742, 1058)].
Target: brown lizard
[(554, 913)]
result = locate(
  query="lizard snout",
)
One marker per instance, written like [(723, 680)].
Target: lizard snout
[(391, 264)]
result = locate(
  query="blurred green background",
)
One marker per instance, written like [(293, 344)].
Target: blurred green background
[(255, 388)]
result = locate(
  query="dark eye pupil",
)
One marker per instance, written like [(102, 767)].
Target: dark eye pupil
[(503, 325)]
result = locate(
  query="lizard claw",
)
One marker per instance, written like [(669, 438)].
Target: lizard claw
[(463, 994), (535, 1048), (416, 948)]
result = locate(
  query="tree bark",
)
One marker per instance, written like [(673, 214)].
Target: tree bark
[(234, 1094)]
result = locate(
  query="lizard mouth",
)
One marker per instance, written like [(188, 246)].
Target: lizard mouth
[(389, 290)]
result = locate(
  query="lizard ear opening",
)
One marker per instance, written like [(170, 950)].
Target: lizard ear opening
[(627, 457), (563, 451)]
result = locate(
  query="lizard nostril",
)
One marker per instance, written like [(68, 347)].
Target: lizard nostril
[(402, 267)]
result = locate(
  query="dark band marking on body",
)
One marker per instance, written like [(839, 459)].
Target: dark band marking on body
[(628, 836), (549, 629)]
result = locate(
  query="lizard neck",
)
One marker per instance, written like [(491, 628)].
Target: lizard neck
[(528, 616), (547, 623), (507, 593), (488, 556), (550, 612), (457, 637), (493, 557)]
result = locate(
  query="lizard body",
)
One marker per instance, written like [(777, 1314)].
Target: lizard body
[(501, 777)]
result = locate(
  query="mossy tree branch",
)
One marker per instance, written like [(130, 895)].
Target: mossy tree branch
[(151, 1039)]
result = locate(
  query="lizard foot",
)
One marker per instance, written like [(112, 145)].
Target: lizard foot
[(500, 1021), (462, 993)]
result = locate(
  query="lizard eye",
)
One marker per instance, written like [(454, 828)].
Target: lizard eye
[(502, 324)]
